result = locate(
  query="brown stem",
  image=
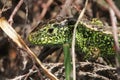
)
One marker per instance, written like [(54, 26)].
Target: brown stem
[(113, 6), (15, 11)]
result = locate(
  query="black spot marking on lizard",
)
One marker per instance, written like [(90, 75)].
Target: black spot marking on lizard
[(50, 30)]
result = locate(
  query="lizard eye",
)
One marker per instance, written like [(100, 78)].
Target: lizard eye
[(50, 30)]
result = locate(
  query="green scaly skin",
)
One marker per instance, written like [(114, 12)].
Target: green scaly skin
[(92, 37)]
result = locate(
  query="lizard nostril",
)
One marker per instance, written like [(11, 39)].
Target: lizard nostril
[(50, 30)]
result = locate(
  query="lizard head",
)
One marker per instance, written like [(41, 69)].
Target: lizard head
[(50, 34)]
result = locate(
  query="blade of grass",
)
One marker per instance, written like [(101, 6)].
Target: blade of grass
[(67, 61)]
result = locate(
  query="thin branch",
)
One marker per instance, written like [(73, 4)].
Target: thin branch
[(45, 8), (5, 7), (73, 39), (31, 71), (113, 6), (66, 9), (115, 36), (18, 77), (15, 11)]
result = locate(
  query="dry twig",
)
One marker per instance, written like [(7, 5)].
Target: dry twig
[(66, 9), (115, 36), (45, 8), (15, 11), (113, 6), (7, 28), (73, 39)]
